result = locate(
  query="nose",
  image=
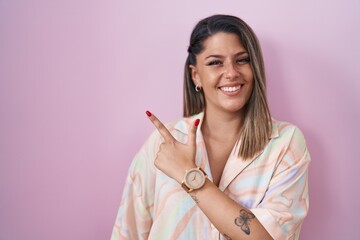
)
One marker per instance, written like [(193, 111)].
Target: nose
[(231, 71)]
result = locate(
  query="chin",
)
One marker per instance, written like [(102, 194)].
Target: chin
[(234, 109), (234, 105)]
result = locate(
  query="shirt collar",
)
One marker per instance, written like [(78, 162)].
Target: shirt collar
[(274, 130)]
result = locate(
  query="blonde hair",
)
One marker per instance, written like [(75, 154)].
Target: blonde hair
[(256, 129)]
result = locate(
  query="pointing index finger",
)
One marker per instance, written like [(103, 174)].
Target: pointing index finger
[(160, 127)]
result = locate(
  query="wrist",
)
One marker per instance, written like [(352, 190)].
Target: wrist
[(181, 173), (193, 179)]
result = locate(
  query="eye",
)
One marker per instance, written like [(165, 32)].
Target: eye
[(214, 62), (243, 60)]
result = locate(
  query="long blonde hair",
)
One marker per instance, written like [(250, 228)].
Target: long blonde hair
[(256, 130)]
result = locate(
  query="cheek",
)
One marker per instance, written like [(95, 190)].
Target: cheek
[(248, 73), (250, 91), (210, 78), (210, 72)]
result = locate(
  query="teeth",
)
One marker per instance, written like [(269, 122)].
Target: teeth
[(230, 89)]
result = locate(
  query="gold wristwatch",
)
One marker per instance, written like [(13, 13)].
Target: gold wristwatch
[(194, 179)]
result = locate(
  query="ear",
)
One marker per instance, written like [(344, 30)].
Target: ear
[(195, 75)]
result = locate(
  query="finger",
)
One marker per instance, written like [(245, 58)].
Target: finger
[(192, 132), (164, 132)]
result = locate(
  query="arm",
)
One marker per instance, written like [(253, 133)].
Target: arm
[(286, 202), (134, 218), (230, 218)]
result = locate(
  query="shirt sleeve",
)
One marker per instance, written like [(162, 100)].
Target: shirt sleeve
[(135, 214), (286, 201)]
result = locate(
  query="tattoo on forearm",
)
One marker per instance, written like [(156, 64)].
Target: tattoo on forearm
[(243, 221), (195, 199)]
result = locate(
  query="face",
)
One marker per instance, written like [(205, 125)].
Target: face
[(224, 72)]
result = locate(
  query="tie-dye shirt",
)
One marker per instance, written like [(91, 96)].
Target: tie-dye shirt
[(273, 185)]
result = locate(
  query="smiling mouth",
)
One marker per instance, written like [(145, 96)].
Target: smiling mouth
[(231, 89)]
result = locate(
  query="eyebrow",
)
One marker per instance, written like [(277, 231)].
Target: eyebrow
[(220, 56)]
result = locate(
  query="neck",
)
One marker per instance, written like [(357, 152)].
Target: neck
[(222, 126)]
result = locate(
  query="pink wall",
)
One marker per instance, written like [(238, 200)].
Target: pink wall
[(77, 76)]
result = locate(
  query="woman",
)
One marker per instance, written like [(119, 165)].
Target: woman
[(226, 170)]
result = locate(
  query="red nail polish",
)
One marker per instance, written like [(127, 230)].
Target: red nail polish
[(148, 113), (197, 121)]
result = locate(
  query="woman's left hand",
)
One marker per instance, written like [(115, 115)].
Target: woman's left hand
[(174, 157)]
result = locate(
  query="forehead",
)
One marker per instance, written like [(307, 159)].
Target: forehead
[(223, 42)]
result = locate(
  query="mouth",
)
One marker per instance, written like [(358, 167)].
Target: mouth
[(231, 89)]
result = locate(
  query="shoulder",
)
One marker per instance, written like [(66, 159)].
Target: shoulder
[(286, 130), (289, 136)]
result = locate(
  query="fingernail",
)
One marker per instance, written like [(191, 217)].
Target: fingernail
[(197, 121), (148, 113)]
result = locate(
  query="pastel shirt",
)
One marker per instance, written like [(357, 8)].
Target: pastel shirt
[(273, 185)]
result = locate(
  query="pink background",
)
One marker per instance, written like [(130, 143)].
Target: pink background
[(77, 76)]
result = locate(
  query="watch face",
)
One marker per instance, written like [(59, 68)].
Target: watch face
[(194, 179)]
